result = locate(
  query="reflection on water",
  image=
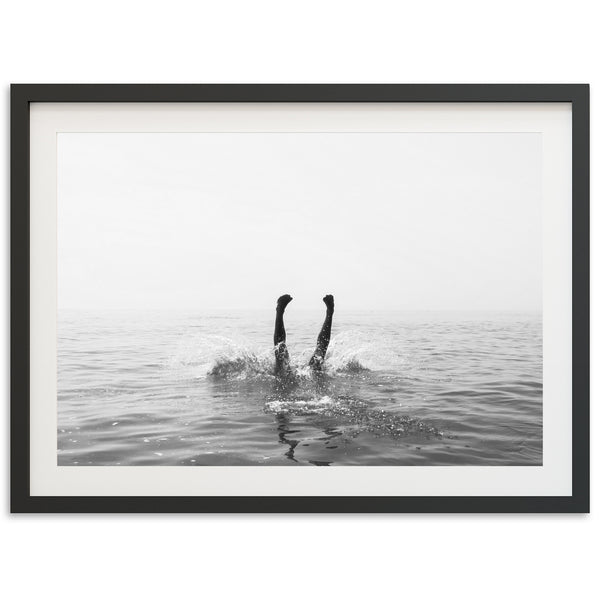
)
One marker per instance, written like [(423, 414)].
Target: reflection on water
[(284, 393), (398, 389)]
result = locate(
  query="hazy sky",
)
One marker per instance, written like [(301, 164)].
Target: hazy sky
[(233, 220)]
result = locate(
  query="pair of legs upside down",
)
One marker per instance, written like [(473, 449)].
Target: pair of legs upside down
[(282, 358)]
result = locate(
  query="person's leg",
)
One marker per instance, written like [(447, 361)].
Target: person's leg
[(317, 359), (282, 358)]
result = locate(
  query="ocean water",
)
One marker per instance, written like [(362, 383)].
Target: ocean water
[(399, 388)]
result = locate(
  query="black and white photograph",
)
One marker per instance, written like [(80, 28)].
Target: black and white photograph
[(299, 299)]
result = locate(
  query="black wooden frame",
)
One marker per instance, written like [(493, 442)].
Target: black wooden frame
[(24, 94)]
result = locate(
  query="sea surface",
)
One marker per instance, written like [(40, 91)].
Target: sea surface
[(399, 388)]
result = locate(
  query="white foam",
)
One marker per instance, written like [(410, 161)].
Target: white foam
[(300, 406)]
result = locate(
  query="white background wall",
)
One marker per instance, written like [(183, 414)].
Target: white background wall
[(441, 556)]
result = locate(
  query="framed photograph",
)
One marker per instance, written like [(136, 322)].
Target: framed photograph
[(300, 298)]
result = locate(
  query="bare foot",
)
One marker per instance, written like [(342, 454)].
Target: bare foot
[(283, 301), (328, 302)]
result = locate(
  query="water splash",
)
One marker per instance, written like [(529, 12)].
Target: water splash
[(354, 351), (354, 412), (351, 357), (202, 356), (219, 357)]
